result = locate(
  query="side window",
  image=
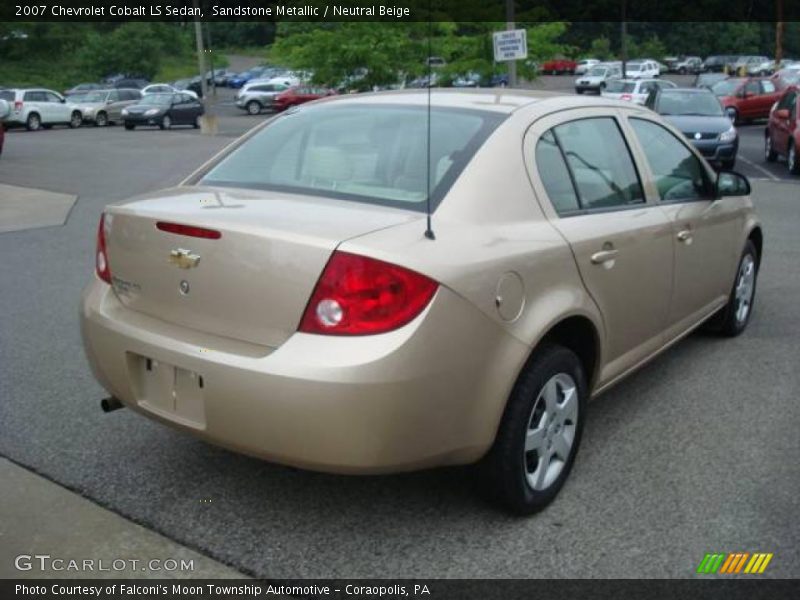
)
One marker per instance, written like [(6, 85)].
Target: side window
[(113, 97), (767, 87), (554, 175), (35, 97), (51, 97), (678, 173), (600, 163), (752, 87)]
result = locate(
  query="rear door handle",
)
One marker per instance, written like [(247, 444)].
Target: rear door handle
[(604, 256), (685, 236)]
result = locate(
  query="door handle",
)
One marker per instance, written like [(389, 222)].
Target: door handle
[(604, 256), (685, 236)]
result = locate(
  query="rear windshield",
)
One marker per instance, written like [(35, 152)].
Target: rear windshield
[(374, 154), (620, 87), (7, 95)]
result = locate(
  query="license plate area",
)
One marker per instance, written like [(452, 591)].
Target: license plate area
[(170, 391)]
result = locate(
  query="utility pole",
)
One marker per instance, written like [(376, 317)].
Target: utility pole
[(778, 33), (211, 60), (624, 33), (208, 122), (512, 64)]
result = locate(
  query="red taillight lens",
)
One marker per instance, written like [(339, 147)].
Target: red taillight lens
[(626, 96), (101, 255), (18, 105), (190, 230), (356, 295)]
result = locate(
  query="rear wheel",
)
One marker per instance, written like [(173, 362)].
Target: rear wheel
[(101, 120), (166, 122), (539, 434), (130, 126), (791, 159), (253, 107), (76, 120), (33, 122), (769, 153)]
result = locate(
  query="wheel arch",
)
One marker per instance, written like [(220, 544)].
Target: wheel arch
[(579, 334), (757, 237)]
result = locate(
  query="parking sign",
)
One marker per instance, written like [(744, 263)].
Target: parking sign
[(510, 45)]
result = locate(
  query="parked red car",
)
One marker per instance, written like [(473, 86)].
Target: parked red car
[(782, 135), (745, 98), (559, 66), (299, 94)]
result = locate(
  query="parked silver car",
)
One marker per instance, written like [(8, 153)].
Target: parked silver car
[(104, 107), (256, 97)]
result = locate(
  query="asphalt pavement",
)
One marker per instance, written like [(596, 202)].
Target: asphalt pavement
[(697, 452)]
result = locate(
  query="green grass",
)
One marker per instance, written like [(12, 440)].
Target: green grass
[(183, 67)]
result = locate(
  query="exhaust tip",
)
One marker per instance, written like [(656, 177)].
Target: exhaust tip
[(111, 403)]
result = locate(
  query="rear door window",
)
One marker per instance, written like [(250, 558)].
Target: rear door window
[(600, 163), (555, 175)]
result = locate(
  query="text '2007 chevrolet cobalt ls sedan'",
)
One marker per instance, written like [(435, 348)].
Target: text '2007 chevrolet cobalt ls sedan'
[(288, 300)]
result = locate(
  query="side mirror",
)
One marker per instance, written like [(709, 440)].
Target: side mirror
[(782, 113), (109, 102), (5, 109), (730, 183)]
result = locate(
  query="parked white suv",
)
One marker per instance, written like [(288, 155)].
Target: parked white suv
[(642, 69), (38, 107)]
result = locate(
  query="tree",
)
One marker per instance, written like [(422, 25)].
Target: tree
[(600, 48)]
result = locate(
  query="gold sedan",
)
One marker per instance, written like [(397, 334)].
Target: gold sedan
[(291, 299)]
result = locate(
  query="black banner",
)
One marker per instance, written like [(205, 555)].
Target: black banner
[(400, 10), (436, 589)]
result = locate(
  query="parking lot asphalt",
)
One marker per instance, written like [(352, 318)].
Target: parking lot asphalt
[(696, 453)]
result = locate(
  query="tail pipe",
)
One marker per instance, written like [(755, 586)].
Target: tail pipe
[(111, 403)]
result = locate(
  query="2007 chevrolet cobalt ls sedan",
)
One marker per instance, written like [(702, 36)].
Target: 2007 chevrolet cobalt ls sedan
[(288, 300)]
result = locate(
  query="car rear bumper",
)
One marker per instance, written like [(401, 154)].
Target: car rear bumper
[(428, 394)]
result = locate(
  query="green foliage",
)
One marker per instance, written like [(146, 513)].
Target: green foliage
[(134, 47), (600, 48)]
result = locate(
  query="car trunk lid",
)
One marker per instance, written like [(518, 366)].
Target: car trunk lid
[(253, 282)]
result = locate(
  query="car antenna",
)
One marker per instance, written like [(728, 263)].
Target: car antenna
[(429, 230)]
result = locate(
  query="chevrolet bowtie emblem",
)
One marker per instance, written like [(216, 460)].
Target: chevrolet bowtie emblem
[(184, 258)]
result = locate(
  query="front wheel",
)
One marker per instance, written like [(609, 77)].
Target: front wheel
[(733, 319), (539, 434), (791, 160), (253, 107), (769, 152), (728, 165), (130, 126), (166, 122), (101, 120), (76, 120)]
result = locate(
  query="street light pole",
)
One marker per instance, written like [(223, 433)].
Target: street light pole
[(208, 123), (512, 64)]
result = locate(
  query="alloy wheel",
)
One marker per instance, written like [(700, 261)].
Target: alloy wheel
[(745, 287), (551, 431)]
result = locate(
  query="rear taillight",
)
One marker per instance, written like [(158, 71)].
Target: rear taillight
[(626, 96), (18, 105), (101, 255), (356, 295)]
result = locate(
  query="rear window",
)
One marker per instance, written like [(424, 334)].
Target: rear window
[(373, 154), (7, 95), (620, 87)]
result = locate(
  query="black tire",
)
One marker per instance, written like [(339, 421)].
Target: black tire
[(504, 472), (130, 126), (682, 70), (792, 160), (33, 122), (101, 119), (769, 152), (578, 90), (253, 107), (728, 164), (728, 321), (196, 123), (76, 120), (166, 122)]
